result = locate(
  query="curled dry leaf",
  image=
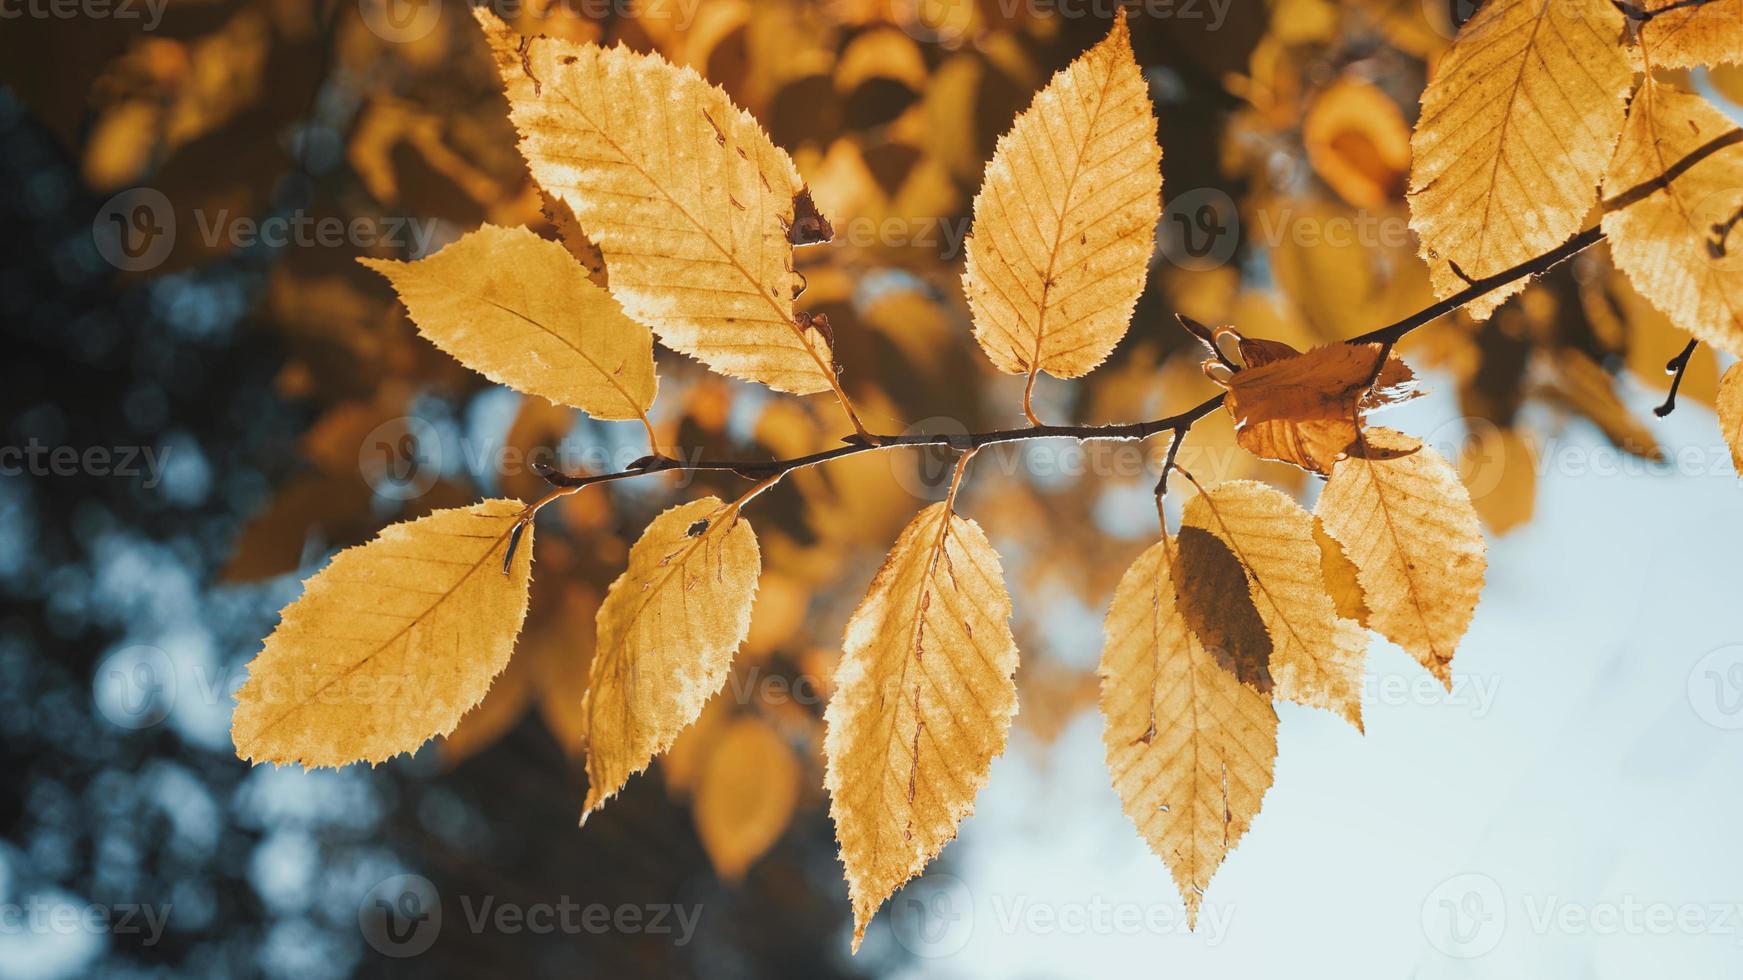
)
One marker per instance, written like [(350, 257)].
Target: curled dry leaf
[(1066, 216), (668, 629), (1407, 525), (1190, 747), (685, 195), (923, 700), (1681, 246), (1516, 127), (1316, 656), (518, 310), (390, 643), (1730, 408), (1305, 409), (747, 796)]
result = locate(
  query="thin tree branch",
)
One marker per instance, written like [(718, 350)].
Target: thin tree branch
[(1179, 424), (1677, 366)]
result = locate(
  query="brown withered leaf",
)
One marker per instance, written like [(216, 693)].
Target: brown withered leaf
[(1305, 409)]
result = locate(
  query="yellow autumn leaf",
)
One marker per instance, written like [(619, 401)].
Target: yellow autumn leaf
[(923, 700), (1065, 218), (1316, 656), (668, 629), (1680, 245), (390, 643), (1341, 581), (1516, 127), (1408, 526), (1681, 34), (1190, 747), (682, 191), (747, 796), (519, 310), (1730, 408)]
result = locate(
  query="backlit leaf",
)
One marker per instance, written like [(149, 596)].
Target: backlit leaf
[(1681, 246), (668, 629), (1685, 35), (1190, 747), (390, 643), (1065, 218), (682, 191), (1316, 656), (1407, 525), (1516, 127), (923, 701), (519, 310)]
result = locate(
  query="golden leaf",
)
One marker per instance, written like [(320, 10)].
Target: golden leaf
[(1305, 408), (390, 644), (923, 700), (1066, 217), (1730, 407), (668, 629), (1407, 524), (519, 310), (1190, 746), (1516, 127), (1316, 657), (1341, 580), (682, 191), (1689, 35), (747, 796), (1681, 246)]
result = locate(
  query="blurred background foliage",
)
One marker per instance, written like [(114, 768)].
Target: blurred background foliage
[(296, 411)]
